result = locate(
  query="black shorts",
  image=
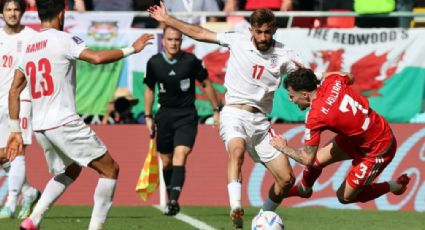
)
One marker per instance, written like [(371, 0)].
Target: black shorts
[(176, 126)]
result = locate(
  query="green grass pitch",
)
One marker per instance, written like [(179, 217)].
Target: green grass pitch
[(128, 218)]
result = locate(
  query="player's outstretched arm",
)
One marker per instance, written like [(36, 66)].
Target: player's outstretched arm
[(107, 56), (15, 142), (303, 156), (196, 32)]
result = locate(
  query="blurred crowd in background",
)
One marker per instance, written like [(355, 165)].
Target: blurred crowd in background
[(362, 7)]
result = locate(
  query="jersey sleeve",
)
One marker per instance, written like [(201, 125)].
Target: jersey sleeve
[(150, 79), (313, 128), (199, 69), (227, 39), (74, 46)]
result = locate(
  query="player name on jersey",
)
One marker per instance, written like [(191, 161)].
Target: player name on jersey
[(34, 47)]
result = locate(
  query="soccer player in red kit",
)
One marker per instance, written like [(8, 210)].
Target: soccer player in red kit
[(363, 136)]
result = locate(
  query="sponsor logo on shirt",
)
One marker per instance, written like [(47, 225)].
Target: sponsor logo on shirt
[(172, 73), (77, 39)]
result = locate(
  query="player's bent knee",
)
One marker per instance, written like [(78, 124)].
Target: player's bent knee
[(345, 200), (286, 181)]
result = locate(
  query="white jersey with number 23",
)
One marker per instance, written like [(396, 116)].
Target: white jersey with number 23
[(49, 66)]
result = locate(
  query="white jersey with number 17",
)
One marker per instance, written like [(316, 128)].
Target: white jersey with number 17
[(49, 66), (253, 76)]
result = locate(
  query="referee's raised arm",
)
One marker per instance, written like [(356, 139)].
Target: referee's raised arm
[(196, 32)]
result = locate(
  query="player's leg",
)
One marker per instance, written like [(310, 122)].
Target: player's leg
[(53, 190), (236, 150), (284, 178), (167, 170), (325, 156), (108, 171), (358, 186), (233, 133)]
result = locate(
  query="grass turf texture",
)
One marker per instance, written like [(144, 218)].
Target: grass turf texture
[(120, 217)]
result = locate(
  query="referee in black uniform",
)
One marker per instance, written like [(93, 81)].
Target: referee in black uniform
[(175, 73)]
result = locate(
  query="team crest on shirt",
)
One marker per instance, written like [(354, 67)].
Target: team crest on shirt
[(103, 31), (273, 61), (185, 85)]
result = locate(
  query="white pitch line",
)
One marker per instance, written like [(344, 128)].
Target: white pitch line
[(189, 220)]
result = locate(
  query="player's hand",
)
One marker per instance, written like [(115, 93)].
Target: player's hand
[(159, 13), (142, 41), (279, 142), (14, 145)]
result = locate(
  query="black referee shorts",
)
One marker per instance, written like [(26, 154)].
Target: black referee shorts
[(175, 126)]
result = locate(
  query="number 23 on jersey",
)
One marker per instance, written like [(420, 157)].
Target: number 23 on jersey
[(40, 87)]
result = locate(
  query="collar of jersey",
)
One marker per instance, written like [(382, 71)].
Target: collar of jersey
[(171, 62)]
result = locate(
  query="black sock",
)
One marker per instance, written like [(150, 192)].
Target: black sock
[(167, 179), (177, 181)]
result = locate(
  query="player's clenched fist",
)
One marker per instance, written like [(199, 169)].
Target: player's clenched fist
[(142, 41)]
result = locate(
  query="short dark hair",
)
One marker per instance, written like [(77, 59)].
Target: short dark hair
[(302, 79), (21, 3), (49, 9), (262, 16)]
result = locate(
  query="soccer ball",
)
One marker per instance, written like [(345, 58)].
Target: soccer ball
[(267, 220)]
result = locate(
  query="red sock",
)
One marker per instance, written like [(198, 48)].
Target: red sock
[(310, 175), (373, 191)]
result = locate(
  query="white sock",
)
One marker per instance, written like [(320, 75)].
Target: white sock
[(54, 189), (235, 194), (270, 205), (27, 191), (103, 196), (16, 180)]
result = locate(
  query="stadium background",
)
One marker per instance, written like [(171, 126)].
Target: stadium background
[(392, 63)]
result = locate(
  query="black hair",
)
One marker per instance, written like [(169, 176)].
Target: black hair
[(302, 79), (262, 16), (21, 3), (49, 9)]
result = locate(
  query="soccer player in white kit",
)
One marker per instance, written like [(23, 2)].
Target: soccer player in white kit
[(254, 72), (13, 37), (48, 65)]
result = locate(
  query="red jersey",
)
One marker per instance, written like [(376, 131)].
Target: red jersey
[(339, 109)]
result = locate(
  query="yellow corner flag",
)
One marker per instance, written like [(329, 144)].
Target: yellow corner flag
[(149, 176)]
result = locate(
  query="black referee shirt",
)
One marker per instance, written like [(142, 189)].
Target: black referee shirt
[(176, 79)]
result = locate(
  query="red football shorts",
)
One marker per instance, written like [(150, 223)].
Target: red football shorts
[(365, 168)]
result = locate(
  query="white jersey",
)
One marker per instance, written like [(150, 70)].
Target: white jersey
[(252, 76), (49, 66), (11, 50)]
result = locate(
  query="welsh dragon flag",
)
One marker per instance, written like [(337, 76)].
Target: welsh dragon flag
[(388, 65)]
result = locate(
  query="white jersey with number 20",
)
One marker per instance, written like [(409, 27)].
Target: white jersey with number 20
[(253, 76), (11, 49), (49, 66)]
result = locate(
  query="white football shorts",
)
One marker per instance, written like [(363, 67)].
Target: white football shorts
[(25, 119), (72, 142), (254, 128)]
